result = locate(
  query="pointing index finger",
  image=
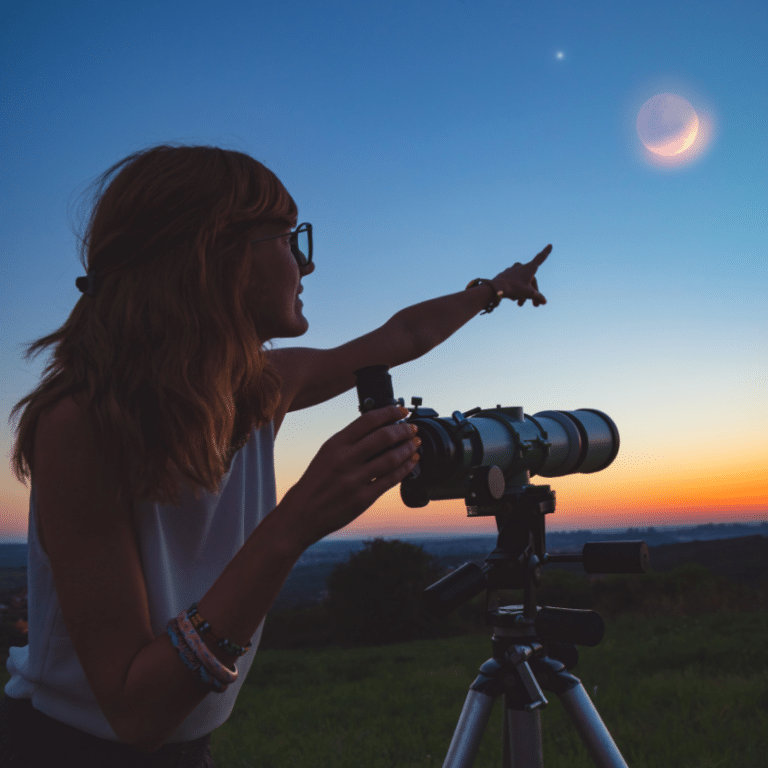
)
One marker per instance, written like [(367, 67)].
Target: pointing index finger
[(540, 257)]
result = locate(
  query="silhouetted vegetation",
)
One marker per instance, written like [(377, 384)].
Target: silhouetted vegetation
[(375, 597)]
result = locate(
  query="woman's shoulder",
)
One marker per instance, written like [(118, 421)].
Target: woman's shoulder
[(66, 431), (75, 486), (66, 410)]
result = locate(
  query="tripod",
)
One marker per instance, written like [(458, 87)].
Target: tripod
[(533, 647)]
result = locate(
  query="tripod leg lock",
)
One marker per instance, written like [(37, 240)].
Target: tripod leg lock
[(531, 687), (518, 656), (553, 675)]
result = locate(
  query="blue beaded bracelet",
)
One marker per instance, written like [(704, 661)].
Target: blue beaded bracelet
[(190, 659), (204, 628), (205, 655)]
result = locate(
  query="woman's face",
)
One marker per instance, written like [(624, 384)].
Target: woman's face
[(276, 281)]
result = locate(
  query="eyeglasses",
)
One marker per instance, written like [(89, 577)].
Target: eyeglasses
[(301, 243)]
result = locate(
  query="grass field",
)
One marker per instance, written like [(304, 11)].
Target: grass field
[(675, 691)]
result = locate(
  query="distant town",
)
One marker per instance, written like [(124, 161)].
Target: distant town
[(14, 555)]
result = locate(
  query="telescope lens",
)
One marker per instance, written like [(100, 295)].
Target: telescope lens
[(581, 441)]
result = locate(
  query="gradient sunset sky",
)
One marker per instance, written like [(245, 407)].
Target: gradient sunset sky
[(430, 143)]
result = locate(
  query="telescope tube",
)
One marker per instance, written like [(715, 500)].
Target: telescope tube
[(550, 444)]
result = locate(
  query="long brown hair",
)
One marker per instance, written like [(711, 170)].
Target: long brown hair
[(165, 357)]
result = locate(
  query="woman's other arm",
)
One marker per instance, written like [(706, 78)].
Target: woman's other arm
[(141, 685)]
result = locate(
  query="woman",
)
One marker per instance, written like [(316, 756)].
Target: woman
[(156, 546)]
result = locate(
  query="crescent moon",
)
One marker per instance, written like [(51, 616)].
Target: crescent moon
[(667, 125), (684, 140)]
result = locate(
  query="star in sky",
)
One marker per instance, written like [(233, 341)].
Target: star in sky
[(559, 55)]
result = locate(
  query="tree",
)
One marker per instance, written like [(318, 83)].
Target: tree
[(375, 597)]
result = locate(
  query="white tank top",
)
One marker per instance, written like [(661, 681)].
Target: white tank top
[(183, 551)]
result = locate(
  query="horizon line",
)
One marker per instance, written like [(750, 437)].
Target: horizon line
[(457, 535)]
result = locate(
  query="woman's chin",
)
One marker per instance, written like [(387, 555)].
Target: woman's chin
[(290, 329), (301, 325)]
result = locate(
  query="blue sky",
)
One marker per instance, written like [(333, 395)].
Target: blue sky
[(430, 143)]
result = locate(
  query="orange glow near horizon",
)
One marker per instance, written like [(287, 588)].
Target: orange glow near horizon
[(683, 492), (682, 495)]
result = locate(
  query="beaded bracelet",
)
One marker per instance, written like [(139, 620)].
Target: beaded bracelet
[(191, 662), (204, 628), (225, 675)]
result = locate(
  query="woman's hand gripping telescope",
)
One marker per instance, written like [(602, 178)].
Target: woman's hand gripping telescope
[(519, 281), (350, 472)]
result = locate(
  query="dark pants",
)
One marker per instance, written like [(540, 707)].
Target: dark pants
[(30, 739)]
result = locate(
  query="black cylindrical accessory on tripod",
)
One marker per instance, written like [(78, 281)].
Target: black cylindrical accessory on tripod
[(570, 625), (616, 557), (374, 388), (454, 589)]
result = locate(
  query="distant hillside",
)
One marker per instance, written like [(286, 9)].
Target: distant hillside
[(719, 552), (739, 551), (13, 555)]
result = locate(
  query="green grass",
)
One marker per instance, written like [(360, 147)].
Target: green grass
[(682, 691)]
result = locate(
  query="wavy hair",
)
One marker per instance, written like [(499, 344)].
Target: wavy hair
[(165, 357)]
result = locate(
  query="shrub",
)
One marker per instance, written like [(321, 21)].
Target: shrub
[(375, 597)]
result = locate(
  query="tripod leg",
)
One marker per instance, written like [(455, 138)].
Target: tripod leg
[(522, 738), (469, 731), (598, 741)]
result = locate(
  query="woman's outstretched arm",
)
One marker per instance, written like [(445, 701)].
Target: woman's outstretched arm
[(312, 376)]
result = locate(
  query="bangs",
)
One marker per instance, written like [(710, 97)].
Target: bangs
[(270, 200)]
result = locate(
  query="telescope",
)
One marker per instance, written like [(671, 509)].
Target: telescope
[(479, 454)]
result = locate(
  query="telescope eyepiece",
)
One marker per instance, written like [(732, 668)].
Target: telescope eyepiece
[(374, 388)]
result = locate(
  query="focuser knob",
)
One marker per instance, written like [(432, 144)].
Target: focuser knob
[(486, 485)]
